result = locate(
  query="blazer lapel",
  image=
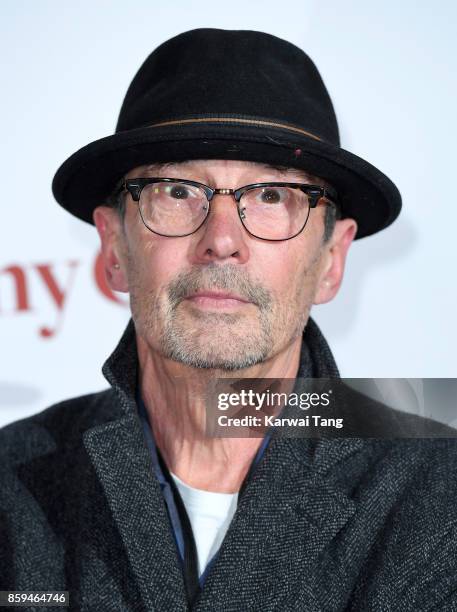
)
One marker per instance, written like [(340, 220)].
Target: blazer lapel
[(289, 513), (124, 468)]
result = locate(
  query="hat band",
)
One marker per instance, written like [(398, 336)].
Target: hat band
[(237, 120)]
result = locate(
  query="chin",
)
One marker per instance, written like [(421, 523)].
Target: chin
[(215, 361), (225, 346)]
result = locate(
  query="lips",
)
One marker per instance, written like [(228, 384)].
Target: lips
[(214, 299), (218, 295)]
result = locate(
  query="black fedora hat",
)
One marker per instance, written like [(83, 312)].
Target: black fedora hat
[(222, 94)]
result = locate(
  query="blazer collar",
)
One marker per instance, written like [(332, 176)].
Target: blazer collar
[(316, 361)]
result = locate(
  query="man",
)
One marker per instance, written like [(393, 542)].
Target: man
[(225, 208)]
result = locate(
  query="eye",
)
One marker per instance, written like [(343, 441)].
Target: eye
[(271, 195), (178, 191)]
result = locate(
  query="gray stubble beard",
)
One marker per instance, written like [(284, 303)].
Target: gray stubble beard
[(230, 342)]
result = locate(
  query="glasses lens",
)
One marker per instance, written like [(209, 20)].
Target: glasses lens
[(274, 213), (173, 209)]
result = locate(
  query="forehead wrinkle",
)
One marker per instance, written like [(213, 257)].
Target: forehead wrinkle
[(172, 169)]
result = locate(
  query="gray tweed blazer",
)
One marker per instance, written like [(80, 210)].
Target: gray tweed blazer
[(323, 525)]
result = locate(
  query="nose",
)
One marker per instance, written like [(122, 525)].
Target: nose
[(222, 236)]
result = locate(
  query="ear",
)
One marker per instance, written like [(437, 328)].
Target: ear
[(334, 259), (113, 247)]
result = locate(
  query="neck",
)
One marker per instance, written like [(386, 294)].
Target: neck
[(174, 395)]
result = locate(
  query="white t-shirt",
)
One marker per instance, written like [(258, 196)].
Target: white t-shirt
[(210, 515)]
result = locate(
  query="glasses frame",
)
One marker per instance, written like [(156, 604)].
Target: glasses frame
[(316, 193)]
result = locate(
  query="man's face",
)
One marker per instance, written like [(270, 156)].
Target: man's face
[(169, 279)]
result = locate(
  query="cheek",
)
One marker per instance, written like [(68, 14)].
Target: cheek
[(289, 269), (153, 262)]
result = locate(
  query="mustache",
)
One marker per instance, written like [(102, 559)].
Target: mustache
[(228, 277)]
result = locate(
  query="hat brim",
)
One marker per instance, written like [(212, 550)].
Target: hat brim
[(88, 177)]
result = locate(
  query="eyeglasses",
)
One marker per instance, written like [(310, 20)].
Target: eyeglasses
[(270, 211)]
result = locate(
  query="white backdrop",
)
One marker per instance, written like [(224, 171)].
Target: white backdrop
[(390, 68)]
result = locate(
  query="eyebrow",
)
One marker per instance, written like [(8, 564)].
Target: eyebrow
[(285, 169), (306, 176)]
